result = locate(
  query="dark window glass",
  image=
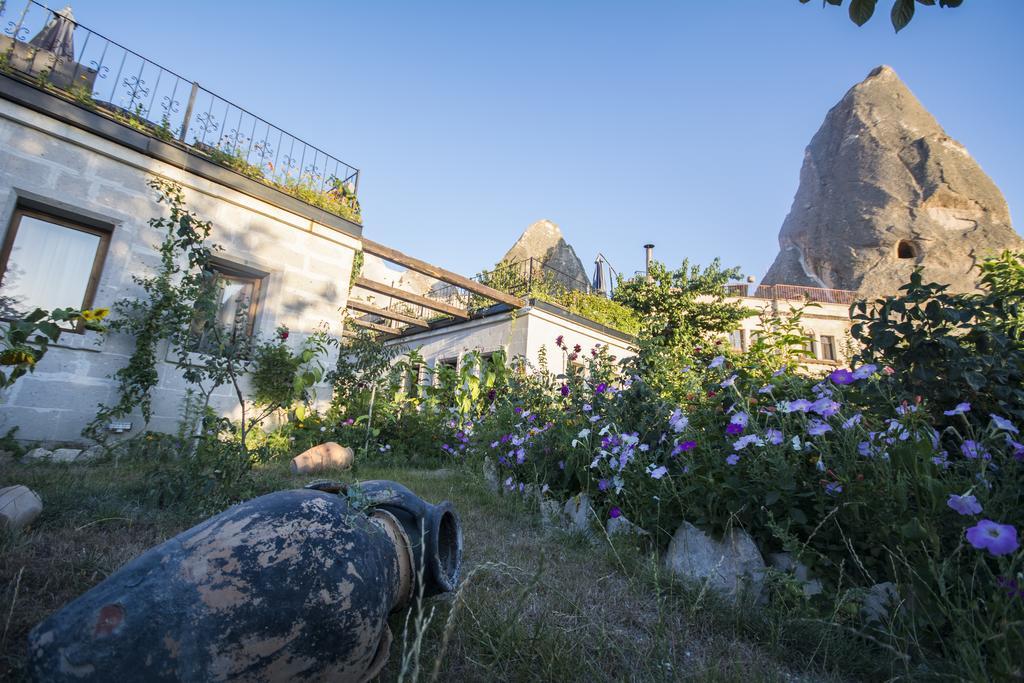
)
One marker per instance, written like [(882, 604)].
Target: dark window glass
[(235, 297), (828, 347)]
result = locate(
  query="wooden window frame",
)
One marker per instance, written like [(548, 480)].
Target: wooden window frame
[(242, 273), (831, 346), (98, 261)]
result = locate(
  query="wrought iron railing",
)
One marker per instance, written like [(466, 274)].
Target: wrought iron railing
[(796, 292), (52, 51)]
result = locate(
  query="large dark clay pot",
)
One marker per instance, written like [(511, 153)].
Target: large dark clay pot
[(294, 585)]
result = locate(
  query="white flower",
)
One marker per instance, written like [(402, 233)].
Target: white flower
[(323, 429), (716, 362), (584, 433)]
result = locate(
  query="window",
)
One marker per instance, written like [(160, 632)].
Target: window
[(236, 294), (828, 347), (738, 340), (49, 263)]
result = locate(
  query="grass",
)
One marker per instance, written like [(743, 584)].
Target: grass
[(535, 605)]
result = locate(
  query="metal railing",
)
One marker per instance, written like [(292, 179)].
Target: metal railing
[(54, 52), (796, 292)]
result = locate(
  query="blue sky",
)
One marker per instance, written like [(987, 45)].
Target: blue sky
[(680, 123)]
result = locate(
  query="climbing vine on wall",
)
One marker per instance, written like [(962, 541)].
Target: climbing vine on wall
[(172, 298)]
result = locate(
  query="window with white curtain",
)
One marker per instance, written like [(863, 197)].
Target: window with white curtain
[(49, 263)]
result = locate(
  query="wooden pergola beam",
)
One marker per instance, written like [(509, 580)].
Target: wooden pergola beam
[(364, 307), (395, 256), (375, 326), (394, 292)]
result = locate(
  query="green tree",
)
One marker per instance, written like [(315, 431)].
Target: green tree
[(901, 14)]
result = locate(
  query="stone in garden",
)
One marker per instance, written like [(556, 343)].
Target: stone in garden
[(728, 566), (578, 513), (491, 474), (800, 571), (326, 456), (37, 455), (19, 506), (620, 526), (878, 604), (65, 455), (551, 515), (91, 454), (883, 189)]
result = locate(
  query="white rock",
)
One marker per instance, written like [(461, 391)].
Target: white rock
[(19, 506), (879, 601), (800, 571), (491, 474), (622, 526), (578, 513), (37, 455), (91, 453), (551, 515), (66, 455), (727, 566)]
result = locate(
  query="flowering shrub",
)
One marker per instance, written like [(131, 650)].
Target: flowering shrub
[(861, 488)]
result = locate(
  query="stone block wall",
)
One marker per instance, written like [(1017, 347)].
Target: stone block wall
[(305, 265)]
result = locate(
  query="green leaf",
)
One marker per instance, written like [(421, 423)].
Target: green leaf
[(861, 11), (950, 3), (772, 498), (300, 412), (798, 516), (902, 13)]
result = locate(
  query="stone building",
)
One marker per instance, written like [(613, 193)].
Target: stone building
[(74, 206)]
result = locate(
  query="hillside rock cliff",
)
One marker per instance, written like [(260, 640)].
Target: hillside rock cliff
[(883, 189)]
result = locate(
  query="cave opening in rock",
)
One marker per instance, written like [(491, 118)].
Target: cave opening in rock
[(906, 249)]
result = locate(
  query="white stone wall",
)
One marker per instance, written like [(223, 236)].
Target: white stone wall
[(823, 319), (521, 335), (307, 266)]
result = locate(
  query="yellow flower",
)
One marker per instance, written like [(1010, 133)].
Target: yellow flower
[(16, 357), (90, 315)]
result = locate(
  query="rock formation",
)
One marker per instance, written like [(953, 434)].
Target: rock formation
[(884, 189), (543, 242)]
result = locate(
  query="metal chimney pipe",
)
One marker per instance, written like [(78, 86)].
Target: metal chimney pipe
[(648, 256)]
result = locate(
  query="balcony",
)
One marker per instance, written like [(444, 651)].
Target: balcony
[(796, 293), (50, 51)]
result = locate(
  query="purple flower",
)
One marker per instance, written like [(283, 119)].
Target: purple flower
[(564, 390), (677, 421), (941, 460), (716, 362), (683, 447), (659, 472), (733, 428), (781, 371), (973, 450), (1004, 424), (739, 419), (833, 488), (960, 409), (998, 539), (825, 407), (726, 383), (766, 389), (865, 371), (841, 376), (799, 405), (518, 410), (849, 423), (561, 464), (615, 513), (817, 427), (732, 459), (1018, 448), (602, 485), (599, 389), (965, 505), (745, 441), (587, 407), (774, 436)]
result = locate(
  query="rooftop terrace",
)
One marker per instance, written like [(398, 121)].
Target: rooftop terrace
[(49, 50)]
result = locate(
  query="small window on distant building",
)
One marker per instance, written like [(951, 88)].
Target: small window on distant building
[(810, 346), (49, 263), (236, 295), (828, 347), (906, 249), (738, 340)]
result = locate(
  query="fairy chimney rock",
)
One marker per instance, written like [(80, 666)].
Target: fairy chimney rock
[(883, 189), (543, 241)]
